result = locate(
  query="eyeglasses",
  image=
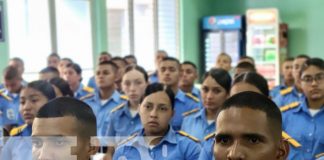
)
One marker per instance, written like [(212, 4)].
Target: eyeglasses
[(309, 79)]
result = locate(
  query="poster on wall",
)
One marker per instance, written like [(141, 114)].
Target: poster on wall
[(1, 22)]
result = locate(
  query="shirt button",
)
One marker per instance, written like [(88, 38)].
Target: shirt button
[(308, 150), (310, 134)]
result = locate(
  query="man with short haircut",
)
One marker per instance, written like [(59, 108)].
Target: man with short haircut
[(159, 55), (69, 124), (48, 73), (287, 77), (243, 67), (249, 127), (169, 74), (189, 74), (53, 60), (104, 56)]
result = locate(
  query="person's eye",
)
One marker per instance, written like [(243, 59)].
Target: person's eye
[(60, 142), (216, 91), (138, 82), (148, 106), (37, 143), (223, 140), (254, 140), (163, 108), (204, 89), (34, 100)]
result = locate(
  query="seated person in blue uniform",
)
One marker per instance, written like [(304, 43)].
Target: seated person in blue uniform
[(130, 59), (189, 75), (64, 129), (169, 74), (304, 121), (243, 67), (32, 98), (124, 119), (13, 85), (53, 60), (215, 89), (287, 77), (249, 127), (104, 56), (292, 94), (249, 81), (121, 63), (61, 87), (73, 75), (157, 140), (159, 56), (62, 64), (48, 73), (106, 98)]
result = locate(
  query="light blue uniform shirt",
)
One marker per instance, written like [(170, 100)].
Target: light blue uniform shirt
[(92, 83), (173, 146), (182, 104), (8, 114), (153, 78), (196, 124), (102, 111), (18, 147), (122, 124), (207, 150), (81, 92), (293, 96), (306, 129), (196, 92), (275, 91), (12, 109)]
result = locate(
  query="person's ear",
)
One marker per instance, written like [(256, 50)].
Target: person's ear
[(93, 146), (283, 150)]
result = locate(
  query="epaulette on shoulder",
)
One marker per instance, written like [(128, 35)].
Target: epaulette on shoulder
[(117, 108), (5, 96), (128, 139), (286, 91), (183, 133), (124, 97), (292, 141), (190, 112), (319, 155), (150, 73), (86, 96), (209, 136), (289, 106), (15, 131), (2, 90), (192, 97), (88, 89)]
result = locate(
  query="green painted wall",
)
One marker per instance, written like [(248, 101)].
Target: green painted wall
[(4, 46)]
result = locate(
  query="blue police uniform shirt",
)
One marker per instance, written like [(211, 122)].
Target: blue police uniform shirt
[(122, 124), (12, 110), (196, 124), (196, 92), (320, 157), (102, 110), (2, 86), (308, 130), (92, 83), (19, 147), (8, 115), (173, 146), (207, 149), (275, 91), (292, 96), (82, 91), (153, 78), (183, 103)]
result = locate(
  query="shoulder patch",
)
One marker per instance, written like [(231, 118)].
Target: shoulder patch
[(183, 133), (15, 131), (128, 139), (286, 91), (86, 96), (5, 96), (118, 107), (88, 89), (289, 106), (319, 155), (291, 141), (190, 112), (192, 97), (124, 97), (209, 136)]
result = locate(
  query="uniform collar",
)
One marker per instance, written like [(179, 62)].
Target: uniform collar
[(126, 110), (11, 95), (80, 88), (195, 91), (115, 96), (201, 113), (170, 137), (303, 106), (180, 96)]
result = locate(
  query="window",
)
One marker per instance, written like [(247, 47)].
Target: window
[(140, 27)]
